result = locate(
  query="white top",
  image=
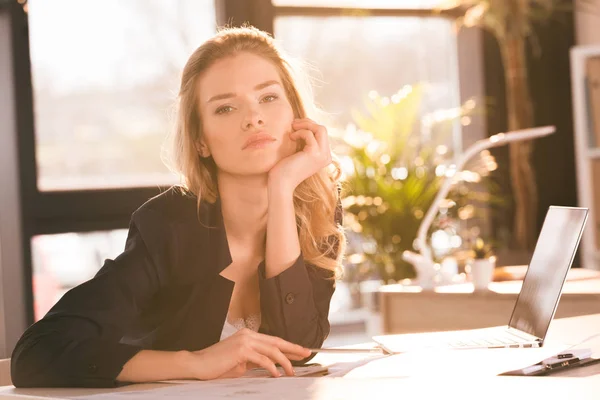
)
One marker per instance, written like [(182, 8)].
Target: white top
[(232, 326)]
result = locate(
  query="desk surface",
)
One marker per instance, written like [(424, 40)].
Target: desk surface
[(583, 383)]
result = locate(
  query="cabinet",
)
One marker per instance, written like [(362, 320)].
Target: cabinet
[(406, 309)]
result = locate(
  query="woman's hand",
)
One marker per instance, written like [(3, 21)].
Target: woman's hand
[(242, 351), (314, 156)]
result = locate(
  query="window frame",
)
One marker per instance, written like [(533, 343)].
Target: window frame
[(471, 80), (15, 283)]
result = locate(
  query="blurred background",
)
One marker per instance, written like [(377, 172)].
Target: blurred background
[(405, 87)]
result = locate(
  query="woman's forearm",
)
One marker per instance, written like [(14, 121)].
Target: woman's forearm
[(154, 365), (283, 245)]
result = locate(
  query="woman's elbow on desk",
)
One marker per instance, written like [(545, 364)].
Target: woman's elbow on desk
[(48, 358), (33, 364)]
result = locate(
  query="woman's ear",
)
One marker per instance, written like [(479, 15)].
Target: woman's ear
[(202, 149)]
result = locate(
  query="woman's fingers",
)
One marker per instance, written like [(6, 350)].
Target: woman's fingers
[(245, 350), (280, 351), (251, 365), (294, 357), (288, 347), (308, 137), (275, 355), (283, 345), (264, 362), (265, 351), (319, 131)]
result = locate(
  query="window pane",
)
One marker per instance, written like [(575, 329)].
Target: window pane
[(427, 4), (355, 56), (105, 74), (65, 260)]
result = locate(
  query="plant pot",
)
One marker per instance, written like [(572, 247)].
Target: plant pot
[(482, 272)]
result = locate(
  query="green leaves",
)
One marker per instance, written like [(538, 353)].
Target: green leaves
[(394, 180), (399, 154)]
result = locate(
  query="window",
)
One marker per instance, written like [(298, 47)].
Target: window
[(105, 74), (357, 55), (393, 44), (63, 261)]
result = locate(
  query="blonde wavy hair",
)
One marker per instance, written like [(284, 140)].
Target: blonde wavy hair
[(316, 200)]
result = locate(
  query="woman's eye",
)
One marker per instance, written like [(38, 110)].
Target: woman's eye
[(223, 110), (269, 98)]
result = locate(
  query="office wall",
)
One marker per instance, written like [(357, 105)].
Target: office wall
[(12, 315), (587, 22)]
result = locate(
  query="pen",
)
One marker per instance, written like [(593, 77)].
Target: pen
[(348, 350)]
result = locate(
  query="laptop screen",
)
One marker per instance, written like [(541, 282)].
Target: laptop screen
[(550, 263)]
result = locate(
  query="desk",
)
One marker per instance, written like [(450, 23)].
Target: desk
[(581, 384), (406, 309)]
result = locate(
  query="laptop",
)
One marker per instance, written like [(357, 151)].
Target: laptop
[(537, 301)]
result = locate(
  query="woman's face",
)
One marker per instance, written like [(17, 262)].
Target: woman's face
[(246, 116)]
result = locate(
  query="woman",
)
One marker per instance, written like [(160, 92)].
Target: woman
[(250, 242)]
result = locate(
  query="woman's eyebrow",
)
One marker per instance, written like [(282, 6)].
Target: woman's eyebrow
[(260, 86)]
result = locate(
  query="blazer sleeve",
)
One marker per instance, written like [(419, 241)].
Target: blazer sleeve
[(295, 303), (77, 343)]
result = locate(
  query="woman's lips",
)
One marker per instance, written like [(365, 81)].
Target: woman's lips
[(258, 140)]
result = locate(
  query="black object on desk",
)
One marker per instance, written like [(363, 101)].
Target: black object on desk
[(557, 363)]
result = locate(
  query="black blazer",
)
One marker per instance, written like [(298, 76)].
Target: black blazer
[(164, 292)]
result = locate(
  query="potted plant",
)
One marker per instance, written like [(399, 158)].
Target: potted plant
[(482, 265), (394, 159)]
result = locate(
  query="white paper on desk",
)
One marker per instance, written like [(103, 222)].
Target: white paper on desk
[(460, 363), (350, 389), (247, 388), (300, 371), (342, 368)]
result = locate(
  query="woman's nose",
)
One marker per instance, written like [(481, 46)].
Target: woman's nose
[(252, 120)]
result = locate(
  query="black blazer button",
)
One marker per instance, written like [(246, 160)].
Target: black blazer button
[(92, 368), (289, 298)]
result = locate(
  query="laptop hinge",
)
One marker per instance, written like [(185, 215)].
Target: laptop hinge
[(524, 335)]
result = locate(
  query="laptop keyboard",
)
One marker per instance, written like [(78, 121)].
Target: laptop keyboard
[(498, 341)]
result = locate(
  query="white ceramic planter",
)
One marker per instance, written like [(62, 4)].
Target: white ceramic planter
[(482, 272)]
